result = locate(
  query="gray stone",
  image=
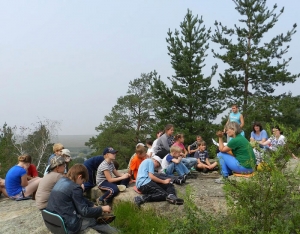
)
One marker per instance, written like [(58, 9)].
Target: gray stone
[(24, 217)]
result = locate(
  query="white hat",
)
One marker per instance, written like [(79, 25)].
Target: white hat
[(66, 152), (158, 159), (139, 144)]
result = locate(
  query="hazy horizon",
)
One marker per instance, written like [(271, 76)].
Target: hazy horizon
[(70, 61)]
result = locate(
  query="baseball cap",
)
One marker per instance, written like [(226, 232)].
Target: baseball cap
[(66, 152), (158, 159), (56, 161), (109, 150)]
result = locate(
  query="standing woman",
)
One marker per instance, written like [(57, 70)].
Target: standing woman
[(243, 158), (258, 134), (16, 183), (164, 143)]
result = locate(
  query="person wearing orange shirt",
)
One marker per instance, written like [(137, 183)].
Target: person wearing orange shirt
[(140, 155)]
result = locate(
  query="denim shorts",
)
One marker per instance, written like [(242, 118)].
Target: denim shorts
[(19, 195)]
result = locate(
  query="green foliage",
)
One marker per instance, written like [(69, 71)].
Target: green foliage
[(190, 103), (131, 219), (7, 150), (256, 65), (270, 200), (129, 122)]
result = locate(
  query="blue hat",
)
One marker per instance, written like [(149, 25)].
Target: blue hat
[(109, 150)]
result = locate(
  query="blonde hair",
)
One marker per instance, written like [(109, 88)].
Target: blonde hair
[(57, 147), (140, 149), (76, 170), (175, 149), (234, 126)]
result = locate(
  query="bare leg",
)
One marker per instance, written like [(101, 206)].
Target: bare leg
[(213, 165), (2, 187), (32, 186)]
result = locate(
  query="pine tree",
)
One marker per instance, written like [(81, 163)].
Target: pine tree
[(190, 103), (129, 122), (256, 64)]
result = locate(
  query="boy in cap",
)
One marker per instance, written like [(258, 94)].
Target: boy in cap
[(152, 187), (105, 181), (55, 172)]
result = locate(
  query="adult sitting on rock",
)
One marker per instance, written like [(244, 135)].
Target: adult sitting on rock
[(243, 158), (55, 172), (16, 183), (258, 134), (275, 141)]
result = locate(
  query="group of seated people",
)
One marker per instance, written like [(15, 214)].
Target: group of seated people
[(154, 170)]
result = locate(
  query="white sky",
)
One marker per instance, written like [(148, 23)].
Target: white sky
[(71, 60)]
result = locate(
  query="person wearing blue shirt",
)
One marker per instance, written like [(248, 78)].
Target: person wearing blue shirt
[(153, 188), (258, 134), (92, 165)]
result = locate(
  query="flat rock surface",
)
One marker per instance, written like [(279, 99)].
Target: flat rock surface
[(24, 217)]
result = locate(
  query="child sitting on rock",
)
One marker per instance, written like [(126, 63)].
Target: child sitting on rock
[(66, 199), (153, 188), (173, 162), (203, 163), (106, 182), (140, 155)]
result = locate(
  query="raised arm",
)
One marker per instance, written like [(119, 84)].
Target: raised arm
[(222, 147)]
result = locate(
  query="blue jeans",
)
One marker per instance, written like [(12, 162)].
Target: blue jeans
[(180, 168), (230, 164), (111, 189), (189, 162)]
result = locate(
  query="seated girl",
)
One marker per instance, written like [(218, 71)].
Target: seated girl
[(189, 162), (16, 183)]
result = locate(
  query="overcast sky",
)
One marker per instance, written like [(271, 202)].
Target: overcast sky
[(70, 60)]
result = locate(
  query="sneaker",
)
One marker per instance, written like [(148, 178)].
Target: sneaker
[(192, 175), (172, 199), (106, 219), (138, 201), (121, 187), (179, 201), (184, 177), (178, 181), (101, 202)]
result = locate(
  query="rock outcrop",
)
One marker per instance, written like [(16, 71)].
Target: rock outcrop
[(24, 217)]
